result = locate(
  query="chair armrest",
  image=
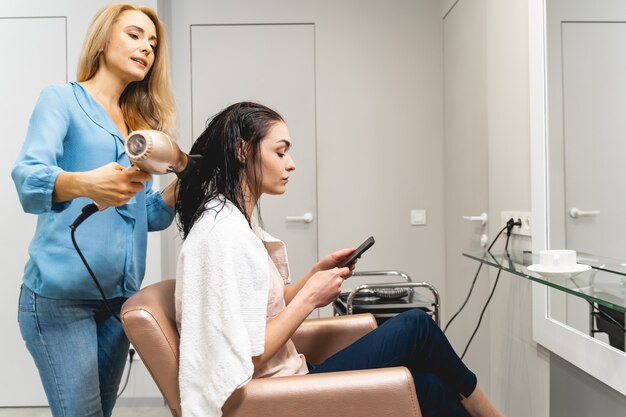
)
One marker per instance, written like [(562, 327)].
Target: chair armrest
[(385, 392), (318, 339)]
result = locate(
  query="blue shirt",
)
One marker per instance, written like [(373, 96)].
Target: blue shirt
[(70, 132)]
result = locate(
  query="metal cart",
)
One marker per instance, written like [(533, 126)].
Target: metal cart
[(363, 298)]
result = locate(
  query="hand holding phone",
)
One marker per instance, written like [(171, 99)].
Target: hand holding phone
[(358, 252)]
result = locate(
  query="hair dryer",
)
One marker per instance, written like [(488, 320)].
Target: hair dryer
[(153, 152)]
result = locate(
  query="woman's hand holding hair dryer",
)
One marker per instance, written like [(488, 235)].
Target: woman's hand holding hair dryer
[(109, 185)]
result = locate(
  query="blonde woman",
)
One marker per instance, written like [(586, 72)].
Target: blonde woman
[(73, 155)]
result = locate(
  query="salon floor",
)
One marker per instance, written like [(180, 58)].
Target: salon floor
[(119, 411)]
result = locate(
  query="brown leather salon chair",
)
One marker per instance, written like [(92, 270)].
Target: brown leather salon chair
[(149, 318)]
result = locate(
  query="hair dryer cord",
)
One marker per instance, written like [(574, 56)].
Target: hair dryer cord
[(88, 210)]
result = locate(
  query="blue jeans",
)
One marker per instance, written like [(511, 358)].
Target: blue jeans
[(80, 351), (412, 339)]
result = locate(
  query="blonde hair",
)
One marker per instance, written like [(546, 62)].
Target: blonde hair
[(146, 104)]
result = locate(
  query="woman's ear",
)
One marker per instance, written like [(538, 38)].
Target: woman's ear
[(242, 150)]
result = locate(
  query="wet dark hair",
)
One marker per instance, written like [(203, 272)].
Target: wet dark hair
[(230, 146)]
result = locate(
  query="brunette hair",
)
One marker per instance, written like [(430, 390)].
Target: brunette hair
[(230, 147)]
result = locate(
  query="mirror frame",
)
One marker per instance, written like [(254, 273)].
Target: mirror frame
[(598, 359)]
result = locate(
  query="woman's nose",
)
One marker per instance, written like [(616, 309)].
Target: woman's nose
[(290, 164), (146, 48)]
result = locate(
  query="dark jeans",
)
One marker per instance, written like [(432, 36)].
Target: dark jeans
[(414, 340)]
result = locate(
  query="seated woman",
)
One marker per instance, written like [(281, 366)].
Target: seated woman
[(234, 311)]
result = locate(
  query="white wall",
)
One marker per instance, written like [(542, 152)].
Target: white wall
[(575, 393), (520, 367), (492, 55)]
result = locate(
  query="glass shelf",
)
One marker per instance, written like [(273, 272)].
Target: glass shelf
[(604, 283)]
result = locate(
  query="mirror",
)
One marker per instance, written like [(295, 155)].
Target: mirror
[(577, 103), (586, 103)]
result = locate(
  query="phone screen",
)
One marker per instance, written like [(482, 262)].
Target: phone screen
[(358, 252)]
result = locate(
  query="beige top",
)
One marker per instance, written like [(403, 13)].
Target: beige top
[(287, 361)]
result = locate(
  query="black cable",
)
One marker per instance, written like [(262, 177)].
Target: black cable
[(473, 281), (131, 354), (466, 298), (608, 317), (493, 290), (88, 210), (604, 315)]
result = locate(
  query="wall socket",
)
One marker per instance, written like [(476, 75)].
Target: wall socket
[(524, 216)]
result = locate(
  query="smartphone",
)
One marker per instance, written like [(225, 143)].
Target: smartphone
[(358, 252)]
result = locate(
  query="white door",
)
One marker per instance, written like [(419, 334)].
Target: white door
[(273, 65), (20, 84), (594, 128), (594, 103)]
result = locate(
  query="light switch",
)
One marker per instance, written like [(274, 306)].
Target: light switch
[(418, 217)]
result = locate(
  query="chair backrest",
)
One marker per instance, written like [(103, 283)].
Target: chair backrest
[(149, 320)]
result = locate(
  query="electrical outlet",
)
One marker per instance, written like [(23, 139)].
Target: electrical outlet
[(523, 216)]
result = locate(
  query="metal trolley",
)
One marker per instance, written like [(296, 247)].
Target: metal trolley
[(363, 299)]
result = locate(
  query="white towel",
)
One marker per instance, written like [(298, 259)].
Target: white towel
[(221, 301)]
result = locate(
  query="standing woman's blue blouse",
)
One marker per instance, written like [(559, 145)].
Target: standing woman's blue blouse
[(70, 132)]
